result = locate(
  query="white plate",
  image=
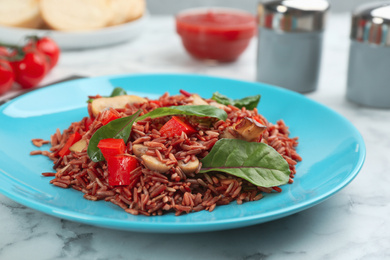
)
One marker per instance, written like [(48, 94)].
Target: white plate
[(79, 40)]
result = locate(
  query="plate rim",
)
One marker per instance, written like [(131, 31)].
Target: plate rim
[(158, 227)]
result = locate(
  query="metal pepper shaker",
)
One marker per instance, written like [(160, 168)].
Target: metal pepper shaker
[(290, 43), (369, 56)]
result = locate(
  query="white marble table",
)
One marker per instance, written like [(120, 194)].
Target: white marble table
[(353, 224)]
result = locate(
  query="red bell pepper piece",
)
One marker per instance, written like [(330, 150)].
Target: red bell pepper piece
[(88, 123), (119, 169), (258, 120), (73, 138), (157, 102), (111, 147), (109, 115), (175, 126)]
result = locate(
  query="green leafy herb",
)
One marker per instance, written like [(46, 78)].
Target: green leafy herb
[(118, 129), (248, 102), (118, 92), (257, 163), (201, 111), (115, 92)]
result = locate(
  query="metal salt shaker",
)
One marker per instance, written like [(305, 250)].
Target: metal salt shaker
[(369, 56), (290, 43)]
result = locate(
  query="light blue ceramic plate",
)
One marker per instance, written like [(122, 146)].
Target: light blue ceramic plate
[(332, 149)]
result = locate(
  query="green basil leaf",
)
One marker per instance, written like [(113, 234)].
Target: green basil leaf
[(115, 92), (248, 102), (201, 111), (119, 129), (257, 163), (222, 99), (118, 92)]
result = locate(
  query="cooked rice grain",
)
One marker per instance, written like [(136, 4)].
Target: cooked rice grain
[(152, 193)]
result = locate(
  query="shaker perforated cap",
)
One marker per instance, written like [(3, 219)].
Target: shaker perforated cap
[(371, 23), (293, 15)]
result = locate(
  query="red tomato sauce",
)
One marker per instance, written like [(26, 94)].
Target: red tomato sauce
[(216, 34)]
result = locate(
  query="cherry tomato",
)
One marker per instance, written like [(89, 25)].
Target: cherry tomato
[(30, 70), (49, 48), (6, 76)]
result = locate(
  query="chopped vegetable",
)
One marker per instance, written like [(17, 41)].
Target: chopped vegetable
[(197, 100), (109, 115), (120, 168), (101, 104), (218, 105), (88, 122), (154, 164), (139, 149), (78, 146), (190, 166), (73, 138), (111, 147), (175, 126), (246, 129), (158, 103)]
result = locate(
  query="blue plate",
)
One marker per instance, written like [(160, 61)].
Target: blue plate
[(332, 149)]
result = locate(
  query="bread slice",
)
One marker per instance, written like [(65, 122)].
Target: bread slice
[(20, 13), (119, 11), (75, 15), (137, 10), (126, 10)]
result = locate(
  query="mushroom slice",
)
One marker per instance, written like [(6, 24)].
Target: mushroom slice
[(189, 167), (247, 129), (78, 146), (139, 149), (101, 104), (197, 100), (230, 133), (154, 164), (218, 105)]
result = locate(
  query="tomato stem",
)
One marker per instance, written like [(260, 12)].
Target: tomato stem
[(19, 55), (7, 45)]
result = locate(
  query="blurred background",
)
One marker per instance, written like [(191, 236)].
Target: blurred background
[(173, 6)]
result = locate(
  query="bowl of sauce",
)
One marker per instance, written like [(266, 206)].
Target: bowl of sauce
[(220, 34)]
